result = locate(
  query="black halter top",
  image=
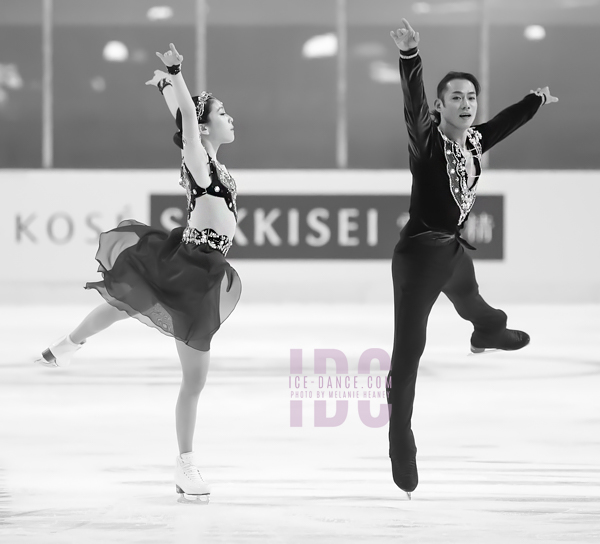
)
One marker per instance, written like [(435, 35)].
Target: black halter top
[(221, 185)]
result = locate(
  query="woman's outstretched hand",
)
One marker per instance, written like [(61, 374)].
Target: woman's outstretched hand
[(406, 38), (171, 57), (158, 77), (546, 92)]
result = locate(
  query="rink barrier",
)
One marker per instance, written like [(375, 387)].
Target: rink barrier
[(541, 243)]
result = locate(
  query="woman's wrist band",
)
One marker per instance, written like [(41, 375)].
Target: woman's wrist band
[(164, 82), (175, 69)]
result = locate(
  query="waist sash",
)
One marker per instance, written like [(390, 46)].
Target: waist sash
[(220, 242)]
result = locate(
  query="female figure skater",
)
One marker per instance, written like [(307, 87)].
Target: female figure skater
[(179, 282), (445, 161)]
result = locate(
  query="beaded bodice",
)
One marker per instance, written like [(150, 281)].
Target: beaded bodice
[(221, 185)]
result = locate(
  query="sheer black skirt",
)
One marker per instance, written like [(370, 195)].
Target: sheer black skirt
[(182, 289)]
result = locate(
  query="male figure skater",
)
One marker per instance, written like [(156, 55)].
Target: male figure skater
[(445, 160)]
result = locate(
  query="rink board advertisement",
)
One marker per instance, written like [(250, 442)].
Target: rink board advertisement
[(331, 226), (326, 234)]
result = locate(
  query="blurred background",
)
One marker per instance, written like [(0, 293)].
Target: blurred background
[(320, 156), (274, 63)]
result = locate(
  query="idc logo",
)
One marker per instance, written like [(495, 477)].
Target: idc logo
[(363, 389)]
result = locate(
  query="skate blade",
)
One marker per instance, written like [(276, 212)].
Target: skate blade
[(200, 500), (186, 498), (480, 351), (47, 359), (409, 495)]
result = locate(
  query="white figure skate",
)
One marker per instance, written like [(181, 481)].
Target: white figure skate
[(188, 481), (59, 353)]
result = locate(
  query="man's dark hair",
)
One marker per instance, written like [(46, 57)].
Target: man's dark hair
[(441, 88)]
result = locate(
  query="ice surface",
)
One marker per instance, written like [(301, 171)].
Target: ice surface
[(509, 446)]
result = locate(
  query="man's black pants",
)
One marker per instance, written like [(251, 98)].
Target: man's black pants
[(422, 268)]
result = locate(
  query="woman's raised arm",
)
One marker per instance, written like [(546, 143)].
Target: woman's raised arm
[(194, 154), (163, 83)]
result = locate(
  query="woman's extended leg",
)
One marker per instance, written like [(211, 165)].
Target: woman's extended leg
[(97, 320), (194, 365), (60, 352)]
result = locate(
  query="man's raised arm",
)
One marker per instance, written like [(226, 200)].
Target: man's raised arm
[(416, 110), (513, 117)]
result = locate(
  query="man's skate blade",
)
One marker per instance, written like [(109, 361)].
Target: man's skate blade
[(409, 495), (480, 351)]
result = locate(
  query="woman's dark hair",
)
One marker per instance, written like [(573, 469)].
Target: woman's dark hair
[(441, 88), (177, 137)]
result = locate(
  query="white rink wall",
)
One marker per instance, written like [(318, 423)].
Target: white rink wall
[(50, 222)]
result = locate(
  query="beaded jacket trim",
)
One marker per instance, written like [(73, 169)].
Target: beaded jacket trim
[(220, 242), (456, 166)]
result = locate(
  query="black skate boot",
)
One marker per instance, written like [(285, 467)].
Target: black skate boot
[(405, 475), (508, 340)]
